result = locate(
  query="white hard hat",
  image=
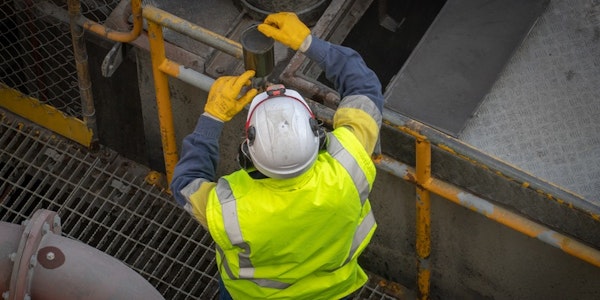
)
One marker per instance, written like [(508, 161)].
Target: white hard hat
[(280, 133)]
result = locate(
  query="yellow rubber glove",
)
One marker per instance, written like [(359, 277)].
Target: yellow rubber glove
[(286, 28), (224, 100)]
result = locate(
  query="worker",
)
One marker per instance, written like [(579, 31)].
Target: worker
[(292, 222)]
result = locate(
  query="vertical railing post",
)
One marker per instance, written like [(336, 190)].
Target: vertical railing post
[(423, 215), (88, 110), (163, 101)]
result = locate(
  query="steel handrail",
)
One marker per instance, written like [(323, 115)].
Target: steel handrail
[(114, 35), (163, 67)]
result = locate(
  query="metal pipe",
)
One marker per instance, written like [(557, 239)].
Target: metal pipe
[(117, 36), (10, 235), (423, 215), (193, 31), (36, 262), (163, 101), (186, 75), (83, 74), (494, 212), (516, 222)]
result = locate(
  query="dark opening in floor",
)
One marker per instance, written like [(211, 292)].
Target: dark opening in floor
[(383, 50)]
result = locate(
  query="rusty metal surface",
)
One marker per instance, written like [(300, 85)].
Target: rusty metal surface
[(216, 16)]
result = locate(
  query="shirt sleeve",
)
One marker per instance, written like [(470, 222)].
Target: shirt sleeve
[(362, 100), (195, 172)]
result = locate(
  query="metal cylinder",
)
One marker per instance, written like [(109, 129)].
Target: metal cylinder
[(259, 54), (309, 11)]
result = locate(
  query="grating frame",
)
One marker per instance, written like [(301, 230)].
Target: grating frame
[(104, 201)]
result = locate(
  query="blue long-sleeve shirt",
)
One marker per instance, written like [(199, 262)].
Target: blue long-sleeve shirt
[(347, 70), (196, 169)]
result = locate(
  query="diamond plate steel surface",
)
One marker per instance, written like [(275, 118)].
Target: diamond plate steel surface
[(458, 59), (542, 113)]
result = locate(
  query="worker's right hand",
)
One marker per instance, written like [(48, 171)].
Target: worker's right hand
[(286, 28), (224, 100)]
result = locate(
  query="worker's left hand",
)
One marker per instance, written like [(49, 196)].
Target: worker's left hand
[(224, 100), (286, 28)]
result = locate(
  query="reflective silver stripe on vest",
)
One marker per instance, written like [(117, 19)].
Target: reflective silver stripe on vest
[(224, 262), (359, 178), (232, 227), (361, 234), (234, 233), (346, 159)]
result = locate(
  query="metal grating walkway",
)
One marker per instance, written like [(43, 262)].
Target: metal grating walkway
[(104, 201)]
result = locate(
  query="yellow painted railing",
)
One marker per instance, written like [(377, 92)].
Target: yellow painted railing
[(163, 67)]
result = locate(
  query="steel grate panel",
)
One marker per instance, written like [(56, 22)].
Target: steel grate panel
[(104, 201)]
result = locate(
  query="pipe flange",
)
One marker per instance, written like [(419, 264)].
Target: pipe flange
[(41, 223)]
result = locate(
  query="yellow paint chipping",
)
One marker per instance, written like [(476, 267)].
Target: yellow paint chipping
[(45, 115)]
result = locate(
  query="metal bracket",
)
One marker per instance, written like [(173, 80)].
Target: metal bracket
[(113, 60), (120, 186)]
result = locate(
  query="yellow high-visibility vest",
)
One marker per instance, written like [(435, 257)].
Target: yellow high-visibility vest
[(296, 238)]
